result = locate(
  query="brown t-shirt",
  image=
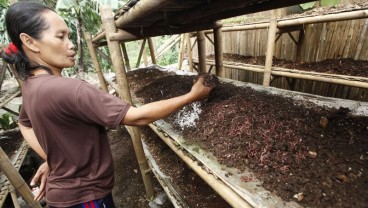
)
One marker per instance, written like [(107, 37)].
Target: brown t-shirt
[(68, 117)]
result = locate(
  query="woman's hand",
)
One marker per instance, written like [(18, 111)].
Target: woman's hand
[(199, 90), (41, 178)]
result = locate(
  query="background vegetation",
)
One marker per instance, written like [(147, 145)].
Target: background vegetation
[(83, 16)]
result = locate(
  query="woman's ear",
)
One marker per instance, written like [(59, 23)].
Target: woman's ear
[(29, 43)]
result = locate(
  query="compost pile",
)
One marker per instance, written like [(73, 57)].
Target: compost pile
[(309, 154), (348, 67)]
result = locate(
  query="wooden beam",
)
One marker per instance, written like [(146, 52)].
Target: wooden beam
[(270, 51), (93, 54), (117, 59)]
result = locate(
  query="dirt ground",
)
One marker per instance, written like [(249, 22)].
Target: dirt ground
[(317, 154)]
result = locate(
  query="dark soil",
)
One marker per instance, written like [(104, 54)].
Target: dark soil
[(315, 152), (331, 66), (10, 143)]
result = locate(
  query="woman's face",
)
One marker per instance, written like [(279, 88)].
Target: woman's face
[(56, 49)]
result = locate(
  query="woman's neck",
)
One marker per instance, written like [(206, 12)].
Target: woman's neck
[(40, 71)]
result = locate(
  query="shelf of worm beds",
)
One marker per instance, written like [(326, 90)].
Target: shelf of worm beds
[(264, 147)]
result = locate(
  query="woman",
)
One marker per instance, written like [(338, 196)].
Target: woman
[(64, 119)]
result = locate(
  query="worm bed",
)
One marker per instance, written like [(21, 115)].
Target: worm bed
[(270, 147)]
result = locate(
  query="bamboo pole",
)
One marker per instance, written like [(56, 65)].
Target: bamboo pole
[(189, 51), (117, 59), (16, 180), (220, 187), (92, 51), (219, 57), (270, 51), (126, 57), (144, 56), (152, 50), (140, 53), (201, 51), (14, 197), (181, 51), (335, 79)]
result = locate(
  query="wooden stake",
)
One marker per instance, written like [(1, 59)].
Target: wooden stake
[(201, 51), (126, 57), (189, 51), (152, 50), (92, 51), (140, 53), (269, 53), (16, 180), (117, 59), (219, 57)]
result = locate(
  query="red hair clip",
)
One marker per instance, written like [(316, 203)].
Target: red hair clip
[(11, 49)]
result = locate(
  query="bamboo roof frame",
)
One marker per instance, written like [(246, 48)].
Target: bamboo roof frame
[(145, 16)]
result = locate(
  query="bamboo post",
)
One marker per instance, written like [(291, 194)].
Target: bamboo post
[(118, 64), (189, 51), (201, 38), (219, 58), (270, 50), (181, 51), (126, 57), (144, 55), (152, 50), (140, 53), (92, 51), (16, 180)]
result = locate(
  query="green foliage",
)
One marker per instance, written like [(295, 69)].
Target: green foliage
[(170, 57), (309, 5), (324, 3), (329, 2), (7, 122)]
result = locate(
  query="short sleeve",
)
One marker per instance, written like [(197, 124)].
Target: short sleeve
[(23, 118), (96, 106)]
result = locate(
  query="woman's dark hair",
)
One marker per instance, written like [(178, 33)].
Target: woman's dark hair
[(24, 17)]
